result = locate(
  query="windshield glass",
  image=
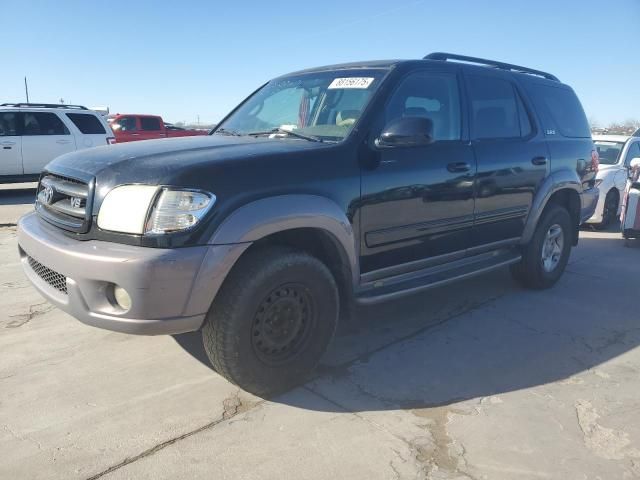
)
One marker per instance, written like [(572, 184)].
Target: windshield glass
[(609, 152), (325, 105)]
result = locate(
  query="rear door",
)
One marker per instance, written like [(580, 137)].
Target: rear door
[(44, 138), (89, 130), (10, 144), (511, 154), (151, 127)]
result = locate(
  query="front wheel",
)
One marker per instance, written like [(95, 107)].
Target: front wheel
[(609, 210), (545, 257), (272, 320)]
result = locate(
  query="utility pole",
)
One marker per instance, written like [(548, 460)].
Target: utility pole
[(26, 89)]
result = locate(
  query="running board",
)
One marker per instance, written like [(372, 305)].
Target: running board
[(401, 285)]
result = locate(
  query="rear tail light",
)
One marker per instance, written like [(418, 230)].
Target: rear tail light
[(111, 140), (595, 160)]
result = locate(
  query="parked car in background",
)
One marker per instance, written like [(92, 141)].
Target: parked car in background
[(33, 134), (129, 127), (330, 187), (616, 153)]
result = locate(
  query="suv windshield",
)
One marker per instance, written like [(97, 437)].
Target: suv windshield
[(318, 105), (609, 152)]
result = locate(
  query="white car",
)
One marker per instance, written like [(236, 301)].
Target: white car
[(31, 135), (616, 153)]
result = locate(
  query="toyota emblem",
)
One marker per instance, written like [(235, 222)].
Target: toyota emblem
[(46, 195)]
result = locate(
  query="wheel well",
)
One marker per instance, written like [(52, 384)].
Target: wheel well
[(326, 248), (569, 199)]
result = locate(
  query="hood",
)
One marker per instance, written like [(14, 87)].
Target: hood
[(164, 161)]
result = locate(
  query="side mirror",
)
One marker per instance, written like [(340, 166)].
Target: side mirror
[(634, 166), (407, 132)]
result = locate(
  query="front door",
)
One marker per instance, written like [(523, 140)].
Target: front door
[(44, 138), (417, 202), (10, 144)]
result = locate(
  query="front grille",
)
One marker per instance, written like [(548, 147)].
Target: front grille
[(65, 202), (53, 278)]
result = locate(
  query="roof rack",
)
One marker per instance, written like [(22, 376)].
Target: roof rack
[(44, 105), (491, 63)]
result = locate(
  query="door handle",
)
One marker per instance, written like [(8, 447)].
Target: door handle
[(539, 160), (7, 142), (63, 142), (458, 167)]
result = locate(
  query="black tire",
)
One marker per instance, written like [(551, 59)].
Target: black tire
[(610, 209), (530, 271), (272, 320)]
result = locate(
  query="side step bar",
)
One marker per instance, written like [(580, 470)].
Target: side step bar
[(407, 284)]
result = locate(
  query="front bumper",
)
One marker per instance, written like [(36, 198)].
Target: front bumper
[(589, 199), (171, 289)]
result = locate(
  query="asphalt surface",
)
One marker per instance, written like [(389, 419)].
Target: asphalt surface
[(477, 380)]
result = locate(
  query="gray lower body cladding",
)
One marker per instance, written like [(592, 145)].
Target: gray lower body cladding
[(171, 290)]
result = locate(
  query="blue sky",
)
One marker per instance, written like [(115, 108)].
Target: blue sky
[(200, 58)]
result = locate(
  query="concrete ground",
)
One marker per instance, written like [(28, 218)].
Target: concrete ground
[(477, 380)]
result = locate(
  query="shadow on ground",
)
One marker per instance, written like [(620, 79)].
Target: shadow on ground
[(480, 337), (17, 196)]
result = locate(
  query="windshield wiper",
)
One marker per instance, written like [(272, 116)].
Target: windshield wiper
[(224, 131), (293, 133)]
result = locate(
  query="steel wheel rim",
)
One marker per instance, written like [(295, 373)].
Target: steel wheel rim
[(283, 323), (552, 248)]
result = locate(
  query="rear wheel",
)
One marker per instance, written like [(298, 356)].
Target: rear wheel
[(545, 257), (272, 320), (609, 211)]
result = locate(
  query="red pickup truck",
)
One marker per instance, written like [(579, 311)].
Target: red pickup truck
[(133, 127)]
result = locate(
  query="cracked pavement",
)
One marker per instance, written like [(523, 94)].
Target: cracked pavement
[(477, 380)]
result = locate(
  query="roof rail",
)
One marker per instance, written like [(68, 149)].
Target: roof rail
[(44, 105), (491, 63)]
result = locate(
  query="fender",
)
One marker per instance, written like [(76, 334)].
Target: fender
[(261, 218), (558, 180)]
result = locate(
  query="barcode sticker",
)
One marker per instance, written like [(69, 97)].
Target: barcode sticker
[(351, 82)]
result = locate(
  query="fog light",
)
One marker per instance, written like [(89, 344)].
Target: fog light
[(122, 297)]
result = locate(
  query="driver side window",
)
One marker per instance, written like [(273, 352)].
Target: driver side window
[(429, 95)]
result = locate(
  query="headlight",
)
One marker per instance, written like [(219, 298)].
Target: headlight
[(176, 210), (132, 209), (598, 182), (125, 208)]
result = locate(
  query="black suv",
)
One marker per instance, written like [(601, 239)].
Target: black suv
[(325, 188)]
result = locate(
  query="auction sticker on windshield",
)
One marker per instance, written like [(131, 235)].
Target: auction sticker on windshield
[(351, 82)]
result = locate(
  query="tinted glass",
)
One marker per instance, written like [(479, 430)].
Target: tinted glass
[(8, 124), (494, 110), (525, 121), (561, 110), (86, 123), (124, 124), (633, 152), (609, 152), (41, 123), (150, 123), (430, 95)]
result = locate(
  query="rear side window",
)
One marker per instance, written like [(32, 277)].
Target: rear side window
[(561, 110), (42, 123), (150, 123), (494, 108), (87, 123), (8, 124)]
